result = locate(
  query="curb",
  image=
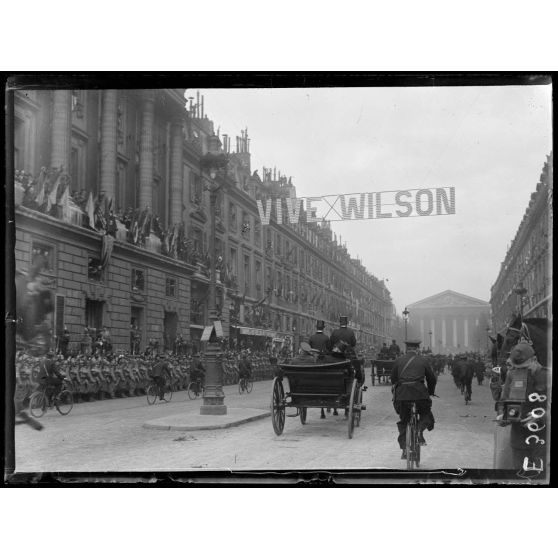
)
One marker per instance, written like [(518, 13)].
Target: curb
[(152, 426)]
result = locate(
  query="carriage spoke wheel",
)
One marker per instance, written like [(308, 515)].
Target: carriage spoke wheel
[(37, 404), (249, 385), (64, 402), (278, 406), (302, 412), (359, 402), (352, 413)]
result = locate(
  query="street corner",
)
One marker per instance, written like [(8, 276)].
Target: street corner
[(189, 421)]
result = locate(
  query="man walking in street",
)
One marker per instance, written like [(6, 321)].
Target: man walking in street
[(408, 377)]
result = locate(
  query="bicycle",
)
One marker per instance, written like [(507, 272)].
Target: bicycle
[(153, 392), (412, 443), (195, 389), (467, 395), (40, 400), (245, 385)]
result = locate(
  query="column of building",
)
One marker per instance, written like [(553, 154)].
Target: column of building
[(176, 169), (61, 136), (146, 149), (108, 143)]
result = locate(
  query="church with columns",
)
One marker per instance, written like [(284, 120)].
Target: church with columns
[(450, 323)]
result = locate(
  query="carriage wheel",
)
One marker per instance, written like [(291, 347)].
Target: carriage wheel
[(351, 416), (359, 402), (278, 406), (302, 412)]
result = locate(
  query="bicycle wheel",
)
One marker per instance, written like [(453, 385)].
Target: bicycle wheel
[(167, 395), (249, 385), (303, 412), (409, 445), (416, 442), (240, 386), (37, 404), (64, 402), (152, 394), (193, 390)]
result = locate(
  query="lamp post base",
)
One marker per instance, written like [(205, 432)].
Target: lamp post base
[(213, 409), (213, 396)]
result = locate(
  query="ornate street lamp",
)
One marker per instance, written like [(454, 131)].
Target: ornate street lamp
[(430, 333), (213, 399), (406, 317)]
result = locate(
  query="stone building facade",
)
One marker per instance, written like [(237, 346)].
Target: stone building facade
[(524, 283), (141, 151), (450, 322)]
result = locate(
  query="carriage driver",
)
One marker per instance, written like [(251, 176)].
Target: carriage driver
[(408, 375), (343, 339), (320, 341)]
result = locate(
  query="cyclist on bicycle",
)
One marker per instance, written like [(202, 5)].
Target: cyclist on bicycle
[(244, 367), (50, 378), (197, 371), (408, 377), (463, 370), (160, 373)]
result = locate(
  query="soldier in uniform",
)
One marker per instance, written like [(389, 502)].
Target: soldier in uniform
[(320, 341), (408, 377)]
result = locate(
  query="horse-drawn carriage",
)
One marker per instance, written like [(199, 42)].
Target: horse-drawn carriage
[(381, 371), (316, 385)]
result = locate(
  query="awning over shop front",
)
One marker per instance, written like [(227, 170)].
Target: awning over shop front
[(257, 332)]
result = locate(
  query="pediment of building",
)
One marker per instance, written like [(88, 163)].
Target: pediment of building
[(449, 299)]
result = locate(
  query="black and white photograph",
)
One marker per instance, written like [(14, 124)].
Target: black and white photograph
[(272, 276)]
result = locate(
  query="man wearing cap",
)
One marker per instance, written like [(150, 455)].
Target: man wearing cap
[(528, 375), (320, 341), (160, 372), (408, 377), (49, 376)]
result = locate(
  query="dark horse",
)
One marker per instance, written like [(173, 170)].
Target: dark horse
[(534, 331)]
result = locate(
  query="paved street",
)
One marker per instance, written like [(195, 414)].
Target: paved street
[(109, 436)]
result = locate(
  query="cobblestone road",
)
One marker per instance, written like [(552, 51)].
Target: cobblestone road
[(109, 436)]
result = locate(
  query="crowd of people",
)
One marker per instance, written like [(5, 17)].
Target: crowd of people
[(97, 372)]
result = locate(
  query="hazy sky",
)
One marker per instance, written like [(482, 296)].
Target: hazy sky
[(490, 143)]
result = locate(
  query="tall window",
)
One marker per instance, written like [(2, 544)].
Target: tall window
[(258, 234), (195, 189), (120, 201), (94, 313), (232, 217), (247, 278), (259, 286), (42, 255), (234, 262), (77, 163)]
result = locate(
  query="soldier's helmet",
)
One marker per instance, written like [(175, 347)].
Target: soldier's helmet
[(320, 325), (343, 321)]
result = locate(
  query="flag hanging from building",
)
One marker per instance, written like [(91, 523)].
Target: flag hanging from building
[(106, 250), (90, 211)]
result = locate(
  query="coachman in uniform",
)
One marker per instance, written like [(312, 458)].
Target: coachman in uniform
[(343, 338), (320, 341), (408, 377)]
